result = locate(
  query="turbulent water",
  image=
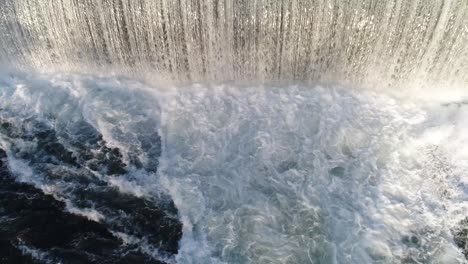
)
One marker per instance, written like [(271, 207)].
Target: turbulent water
[(233, 131), (261, 174), (360, 42)]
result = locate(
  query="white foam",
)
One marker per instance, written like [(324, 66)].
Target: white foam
[(280, 174), (249, 170), (89, 213), (36, 254), (144, 246)]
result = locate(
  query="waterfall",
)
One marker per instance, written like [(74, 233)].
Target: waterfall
[(233, 131), (357, 42)]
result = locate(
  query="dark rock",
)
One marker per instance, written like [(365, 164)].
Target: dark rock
[(10, 254), (30, 217), (47, 142), (460, 236)]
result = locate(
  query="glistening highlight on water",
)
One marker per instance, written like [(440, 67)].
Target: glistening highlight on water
[(207, 131)]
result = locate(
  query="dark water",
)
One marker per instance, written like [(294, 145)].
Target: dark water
[(32, 221)]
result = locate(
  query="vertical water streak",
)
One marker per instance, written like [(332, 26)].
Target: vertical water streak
[(357, 42)]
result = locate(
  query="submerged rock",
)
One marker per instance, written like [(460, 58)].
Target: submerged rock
[(460, 236), (31, 220)]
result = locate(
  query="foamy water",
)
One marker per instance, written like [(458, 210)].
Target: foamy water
[(314, 175), (267, 174)]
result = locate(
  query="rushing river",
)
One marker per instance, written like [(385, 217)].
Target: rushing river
[(233, 132)]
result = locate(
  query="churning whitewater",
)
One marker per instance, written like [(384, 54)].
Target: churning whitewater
[(207, 131), (294, 174)]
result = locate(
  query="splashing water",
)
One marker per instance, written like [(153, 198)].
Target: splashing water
[(234, 131), (364, 43), (314, 175), (293, 174)]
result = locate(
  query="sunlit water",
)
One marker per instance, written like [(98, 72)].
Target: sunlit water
[(387, 43), (243, 131), (266, 174)]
